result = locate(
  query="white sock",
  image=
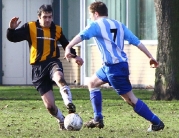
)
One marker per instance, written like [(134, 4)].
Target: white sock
[(59, 116), (66, 95)]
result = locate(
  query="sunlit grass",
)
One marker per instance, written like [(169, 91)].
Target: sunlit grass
[(23, 115)]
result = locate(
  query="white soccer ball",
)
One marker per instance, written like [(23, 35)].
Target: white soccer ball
[(73, 122)]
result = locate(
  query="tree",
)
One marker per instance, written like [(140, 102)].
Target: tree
[(167, 74)]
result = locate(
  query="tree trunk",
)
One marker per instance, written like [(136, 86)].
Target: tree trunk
[(167, 74)]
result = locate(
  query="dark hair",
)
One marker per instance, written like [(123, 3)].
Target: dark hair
[(99, 7), (45, 8)]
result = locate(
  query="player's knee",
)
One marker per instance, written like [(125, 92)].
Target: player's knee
[(91, 84), (60, 80)]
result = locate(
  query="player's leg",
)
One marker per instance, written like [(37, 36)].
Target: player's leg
[(95, 96), (49, 102), (43, 84), (143, 110), (96, 99), (119, 79), (58, 77)]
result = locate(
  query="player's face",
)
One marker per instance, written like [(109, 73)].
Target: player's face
[(45, 19)]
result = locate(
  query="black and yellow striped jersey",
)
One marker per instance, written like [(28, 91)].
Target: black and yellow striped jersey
[(42, 41)]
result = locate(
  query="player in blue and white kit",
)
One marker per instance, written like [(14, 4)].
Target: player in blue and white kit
[(110, 35)]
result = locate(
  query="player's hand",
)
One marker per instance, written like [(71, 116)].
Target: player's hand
[(153, 63), (14, 23), (68, 54), (79, 60)]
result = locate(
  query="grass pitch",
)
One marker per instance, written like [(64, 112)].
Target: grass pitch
[(23, 115)]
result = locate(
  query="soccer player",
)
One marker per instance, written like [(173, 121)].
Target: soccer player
[(42, 36), (109, 36)]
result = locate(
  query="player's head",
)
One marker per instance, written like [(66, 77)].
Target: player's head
[(45, 13), (97, 9)]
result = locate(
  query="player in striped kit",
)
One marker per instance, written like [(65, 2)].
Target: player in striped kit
[(42, 36), (110, 35)]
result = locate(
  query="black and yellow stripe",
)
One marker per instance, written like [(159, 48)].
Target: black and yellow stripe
[(43, 42)]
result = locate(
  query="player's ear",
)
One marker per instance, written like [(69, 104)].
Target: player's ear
[(96, 14), (39, 17)]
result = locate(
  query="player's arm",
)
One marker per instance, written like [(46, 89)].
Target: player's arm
[(16, 35), (77, 39), (153, 62), (64, 42), (86, 34), (132, 39)]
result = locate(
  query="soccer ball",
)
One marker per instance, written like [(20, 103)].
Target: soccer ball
[(73, 122)]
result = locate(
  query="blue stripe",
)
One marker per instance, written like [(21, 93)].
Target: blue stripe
[(107, 53), (118, 44)]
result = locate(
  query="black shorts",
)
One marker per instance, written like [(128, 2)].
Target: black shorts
[(42, 74)]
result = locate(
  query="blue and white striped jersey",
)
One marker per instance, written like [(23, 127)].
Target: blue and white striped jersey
[(109, 36)]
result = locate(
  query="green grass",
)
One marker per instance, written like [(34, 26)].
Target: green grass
[(22, 115)]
